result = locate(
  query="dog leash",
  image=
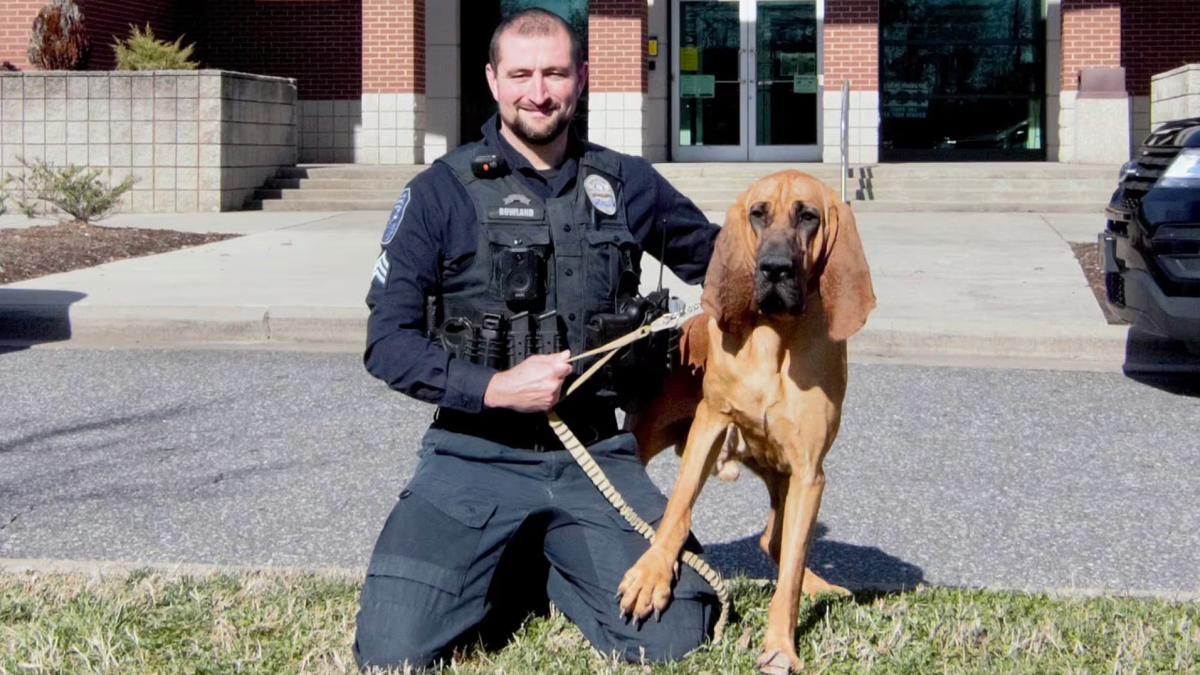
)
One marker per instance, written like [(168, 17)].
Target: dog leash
[(600, 480)]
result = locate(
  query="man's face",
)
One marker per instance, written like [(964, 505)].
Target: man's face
[(536, 85)]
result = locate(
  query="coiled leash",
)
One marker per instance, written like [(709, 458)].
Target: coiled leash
[(596, 474)]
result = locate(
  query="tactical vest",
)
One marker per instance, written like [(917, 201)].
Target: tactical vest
[(553, 274), (537, 255)]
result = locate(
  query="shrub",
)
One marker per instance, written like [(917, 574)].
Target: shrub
[(77, 192), (59, 40), (142, 52)]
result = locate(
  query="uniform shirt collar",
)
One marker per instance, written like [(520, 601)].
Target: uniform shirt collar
[(520, 166)]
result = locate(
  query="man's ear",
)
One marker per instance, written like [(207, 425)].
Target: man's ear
[(491, 80), (582, 74)]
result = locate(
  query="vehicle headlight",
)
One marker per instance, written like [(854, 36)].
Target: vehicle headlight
[(1184, 172), (1126, 169)]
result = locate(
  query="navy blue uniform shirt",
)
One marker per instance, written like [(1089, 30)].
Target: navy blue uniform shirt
[(435, 238)]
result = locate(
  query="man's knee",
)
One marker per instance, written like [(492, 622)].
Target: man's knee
[(685, 626), (401, 622), (382, 641), (375, 650)]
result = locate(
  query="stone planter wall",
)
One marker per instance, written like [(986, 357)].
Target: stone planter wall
[(195, 140), (1175, 95)]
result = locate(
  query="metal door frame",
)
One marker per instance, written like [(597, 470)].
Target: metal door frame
[(747, 149)]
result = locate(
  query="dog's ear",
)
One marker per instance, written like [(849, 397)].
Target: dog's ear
[(729, 283), (846, 291), (693, 343)]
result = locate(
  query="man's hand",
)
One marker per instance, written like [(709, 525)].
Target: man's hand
[(534, 385)]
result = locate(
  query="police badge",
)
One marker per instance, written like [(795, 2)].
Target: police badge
[(601, 193)]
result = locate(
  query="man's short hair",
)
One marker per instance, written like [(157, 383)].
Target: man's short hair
[(536, 22)]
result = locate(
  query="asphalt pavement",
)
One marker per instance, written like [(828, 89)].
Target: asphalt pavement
[(966, 476)]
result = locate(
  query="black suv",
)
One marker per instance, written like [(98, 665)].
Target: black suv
[(1150, 250)]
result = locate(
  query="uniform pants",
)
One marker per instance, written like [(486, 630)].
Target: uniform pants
[(484, 534)]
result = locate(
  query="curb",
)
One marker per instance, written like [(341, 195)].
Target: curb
[(84, 326), (345, 328), (40, 566), (892, 338), (124, 567)]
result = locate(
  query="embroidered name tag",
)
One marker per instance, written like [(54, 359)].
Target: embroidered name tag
[(517, 206)]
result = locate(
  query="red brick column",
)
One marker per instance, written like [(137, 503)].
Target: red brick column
[(16, 25), (393, 82), (851, 44), (616, 40), (618, 76), (1091, 37), (1091, 130)]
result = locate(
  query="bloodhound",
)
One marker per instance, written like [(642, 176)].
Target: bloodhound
[(787, 285)]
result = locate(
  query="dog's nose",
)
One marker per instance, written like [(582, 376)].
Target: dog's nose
[(775, 268)]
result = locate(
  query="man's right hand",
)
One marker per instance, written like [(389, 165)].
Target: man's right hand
[(534, 385)]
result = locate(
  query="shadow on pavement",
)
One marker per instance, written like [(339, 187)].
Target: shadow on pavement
[(855, 567), (32, 316), (1169, 365)]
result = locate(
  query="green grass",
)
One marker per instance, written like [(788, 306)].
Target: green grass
[(146, 622)]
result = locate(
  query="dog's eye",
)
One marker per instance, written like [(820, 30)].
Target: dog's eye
[(758, 215), (808, 216)]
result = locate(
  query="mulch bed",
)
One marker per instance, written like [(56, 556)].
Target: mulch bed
[(28, 253), (1088, 256)]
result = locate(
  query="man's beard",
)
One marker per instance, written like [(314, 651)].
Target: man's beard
[(532, 136)]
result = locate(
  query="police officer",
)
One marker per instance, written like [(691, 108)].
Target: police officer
[(498, 261)]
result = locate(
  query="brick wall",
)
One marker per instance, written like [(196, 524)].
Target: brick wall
[(616, 46), (393, 46), (317, 43), (107, 20), (852, 44), (1091, 37), (16, 23), (1157, 36)]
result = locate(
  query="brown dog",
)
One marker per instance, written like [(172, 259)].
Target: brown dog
[(787, 285)]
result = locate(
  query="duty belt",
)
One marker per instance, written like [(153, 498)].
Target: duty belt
[(593, 421)]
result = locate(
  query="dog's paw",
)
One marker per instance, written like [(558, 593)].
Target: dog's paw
[(814, 585), (646, 587), (778, 661)]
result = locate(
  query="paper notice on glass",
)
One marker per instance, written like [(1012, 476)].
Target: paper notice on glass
[(689, 59), (789, 64), (807, 63), (804, 84), (697, 86)]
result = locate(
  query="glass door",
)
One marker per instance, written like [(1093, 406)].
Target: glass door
[(745, 80)]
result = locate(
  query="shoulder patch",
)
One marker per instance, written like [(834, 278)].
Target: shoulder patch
[(393, 224)]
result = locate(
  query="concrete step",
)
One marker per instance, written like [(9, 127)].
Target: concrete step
[(327, 195), (347, 172), (891, 206), (329, 205), (980, 207), (951, 195), (981, 183), (334, 184), (920, 171)]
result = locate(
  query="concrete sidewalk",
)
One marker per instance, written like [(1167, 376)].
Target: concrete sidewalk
[(948, 284)]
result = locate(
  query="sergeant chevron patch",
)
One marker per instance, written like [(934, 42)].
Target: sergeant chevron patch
[(382, 267)]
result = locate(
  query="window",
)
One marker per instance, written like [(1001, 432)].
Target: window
[(962, 80)]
